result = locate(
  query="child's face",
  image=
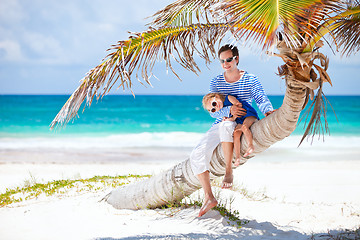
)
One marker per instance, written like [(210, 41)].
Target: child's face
[(214, 104)]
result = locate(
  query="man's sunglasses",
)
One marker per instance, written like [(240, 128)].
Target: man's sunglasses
[(227, 60)]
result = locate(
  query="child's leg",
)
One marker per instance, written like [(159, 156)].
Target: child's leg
[(228, 149), (237, 144), (248, 135)]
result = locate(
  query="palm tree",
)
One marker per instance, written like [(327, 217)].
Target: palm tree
[(187, 28)]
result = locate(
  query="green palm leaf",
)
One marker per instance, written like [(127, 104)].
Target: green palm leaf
[(261, 20), (139, 53), (343, 27)]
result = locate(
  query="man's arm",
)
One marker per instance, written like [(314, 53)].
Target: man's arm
[(237, 107), (269, 112), (258, 94)]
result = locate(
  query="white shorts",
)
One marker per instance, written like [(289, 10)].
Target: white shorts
[(201, 155)]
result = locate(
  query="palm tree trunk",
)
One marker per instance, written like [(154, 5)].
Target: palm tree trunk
[(179, 181)]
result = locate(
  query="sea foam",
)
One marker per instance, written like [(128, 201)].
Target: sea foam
[(164, 139), (146, 139)]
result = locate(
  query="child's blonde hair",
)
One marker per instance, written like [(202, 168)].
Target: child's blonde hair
[(208, 96)]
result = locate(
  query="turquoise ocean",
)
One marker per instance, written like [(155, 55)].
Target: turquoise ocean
[(31, 115), (128, 121)]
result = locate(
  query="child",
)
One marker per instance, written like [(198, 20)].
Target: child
[(213, 102)]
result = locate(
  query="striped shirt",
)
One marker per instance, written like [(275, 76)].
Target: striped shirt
[(247, 89)]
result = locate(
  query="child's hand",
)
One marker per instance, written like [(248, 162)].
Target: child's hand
[(228, 119)]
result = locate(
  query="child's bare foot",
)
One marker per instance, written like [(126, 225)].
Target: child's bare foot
[(237, 162), (227, 181), (249, 150), (207, 205)]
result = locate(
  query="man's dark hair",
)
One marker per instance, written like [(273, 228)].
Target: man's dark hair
[(227, 47)]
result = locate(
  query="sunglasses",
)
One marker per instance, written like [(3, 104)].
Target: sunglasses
[(230, 59), (213, 104)]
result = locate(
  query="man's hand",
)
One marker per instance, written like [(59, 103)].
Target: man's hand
[(237, 110), (269, 112)]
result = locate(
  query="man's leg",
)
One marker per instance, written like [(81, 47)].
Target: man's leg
[(226, 130), (228, 149), (209, 200), (200, 161)]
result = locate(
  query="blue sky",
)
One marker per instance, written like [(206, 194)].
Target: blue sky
[(46, 47)]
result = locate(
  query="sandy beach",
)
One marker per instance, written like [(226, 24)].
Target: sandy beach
[(311, 192)]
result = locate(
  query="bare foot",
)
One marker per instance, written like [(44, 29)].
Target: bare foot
[(227, 181), (208, 204), (249, 150), (237, 162)]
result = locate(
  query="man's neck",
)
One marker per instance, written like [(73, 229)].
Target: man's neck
[(233, 76)]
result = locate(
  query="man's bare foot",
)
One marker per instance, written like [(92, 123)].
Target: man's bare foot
[(227, 181), (249, 150), (208, 204)]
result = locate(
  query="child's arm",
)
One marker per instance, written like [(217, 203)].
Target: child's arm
[(233, 100), (224, 112)]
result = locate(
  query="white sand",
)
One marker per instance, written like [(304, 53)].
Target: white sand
[(306, 195)]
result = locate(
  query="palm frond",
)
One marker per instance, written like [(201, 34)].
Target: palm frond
[(331, 25), (301, 69), (347, 30), (315, 124), (270, 17), (140, 53), (183, 12)]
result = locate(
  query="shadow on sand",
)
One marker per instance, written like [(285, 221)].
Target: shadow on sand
[(251, 231)]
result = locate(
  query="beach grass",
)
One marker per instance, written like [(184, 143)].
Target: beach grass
[(224, 206), (347, 234), (33, 190), (259, 195), (233, 216)]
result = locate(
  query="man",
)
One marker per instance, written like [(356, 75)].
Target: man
[(237, 83)]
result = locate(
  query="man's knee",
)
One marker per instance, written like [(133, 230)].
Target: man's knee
[(226, 130), (227, 126)]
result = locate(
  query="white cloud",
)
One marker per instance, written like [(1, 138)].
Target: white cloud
[(42, 45), (12, 51), (11, 12)]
